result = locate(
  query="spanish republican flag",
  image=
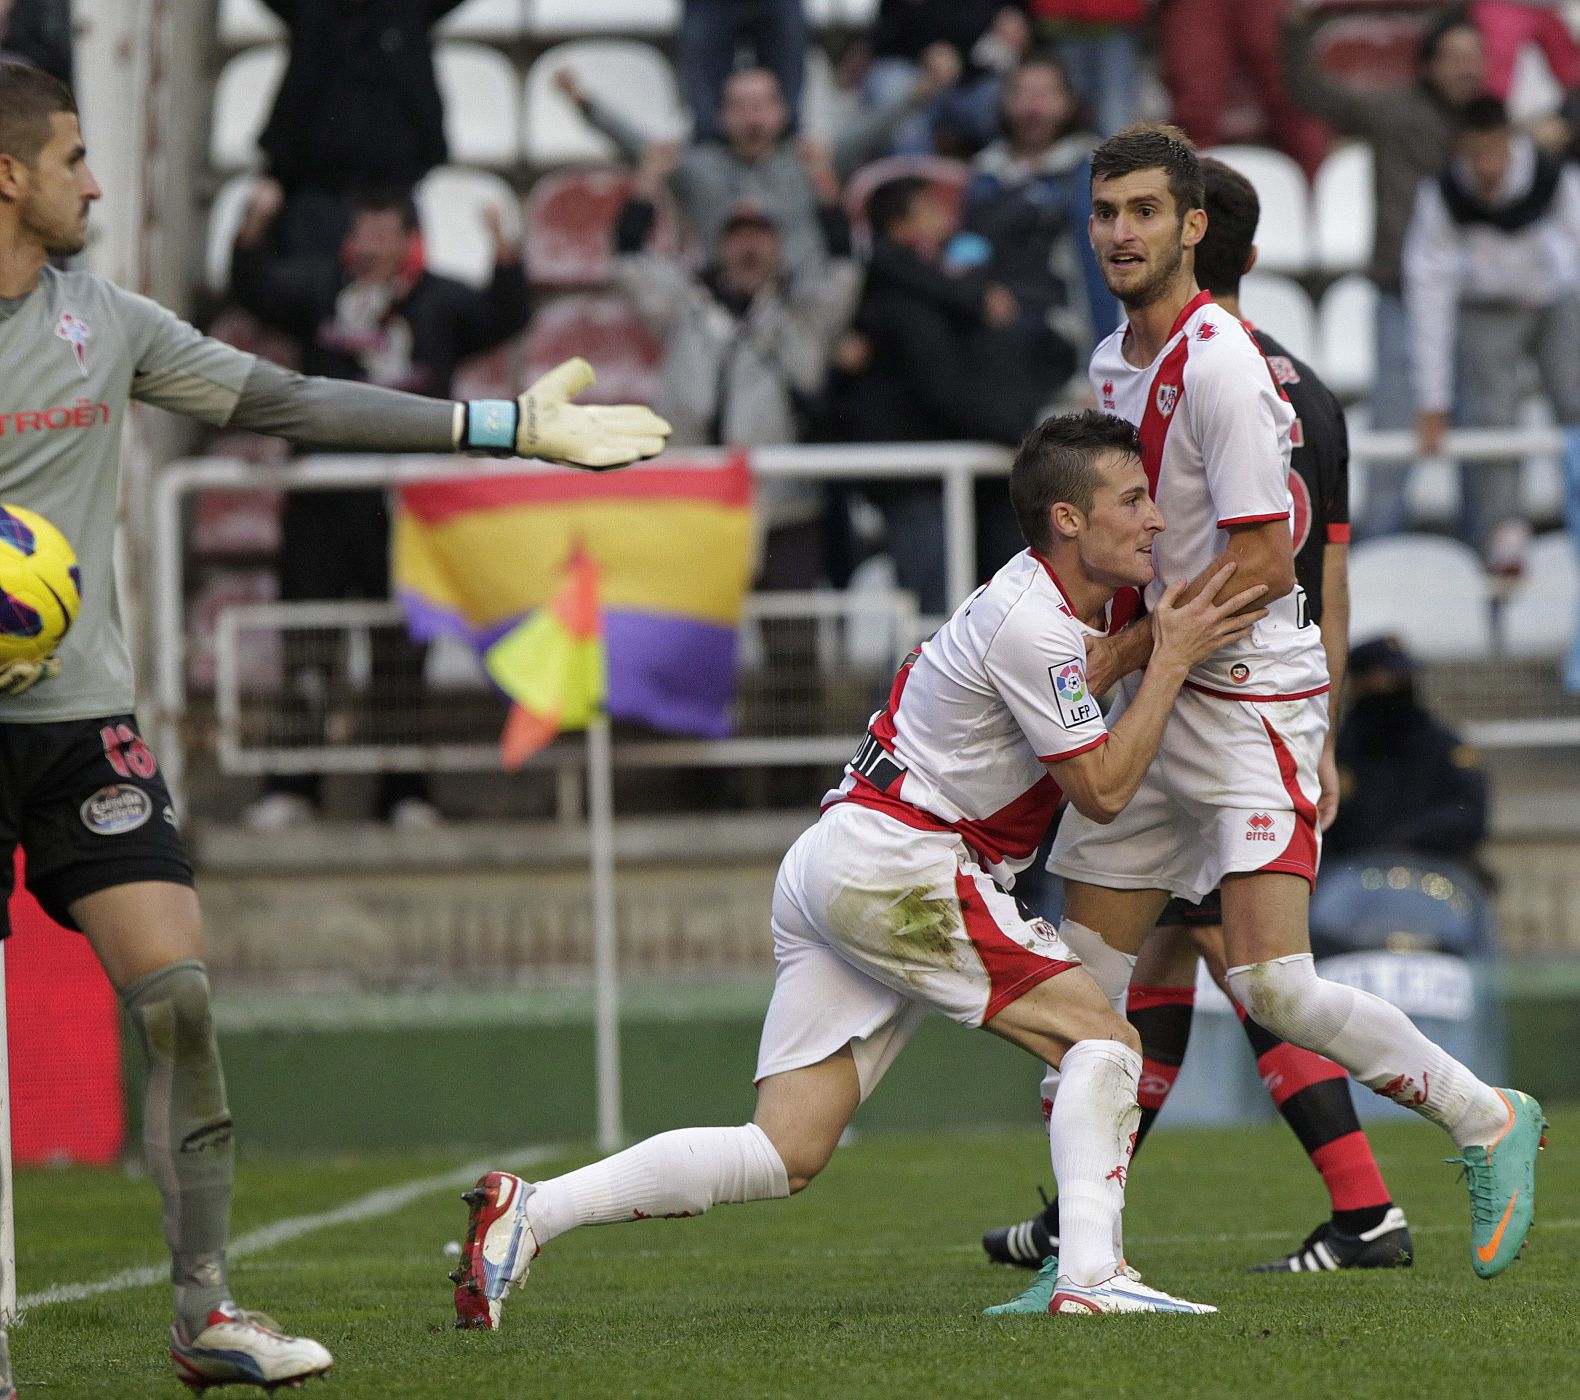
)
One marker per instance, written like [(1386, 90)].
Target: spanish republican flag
[(671, 542), (552, 665)]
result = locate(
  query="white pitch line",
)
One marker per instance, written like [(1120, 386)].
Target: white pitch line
[(385, 1201)]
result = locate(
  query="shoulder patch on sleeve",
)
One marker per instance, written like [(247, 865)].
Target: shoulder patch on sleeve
[(1073, 699)]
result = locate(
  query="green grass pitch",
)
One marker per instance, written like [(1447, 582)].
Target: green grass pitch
[(867, 1285)]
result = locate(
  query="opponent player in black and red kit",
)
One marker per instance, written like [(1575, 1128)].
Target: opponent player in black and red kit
[(1312, 1093)]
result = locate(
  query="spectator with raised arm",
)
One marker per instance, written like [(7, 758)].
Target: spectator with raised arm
[(758, 161), (1030, 199), (1411, 131), (373, 314)]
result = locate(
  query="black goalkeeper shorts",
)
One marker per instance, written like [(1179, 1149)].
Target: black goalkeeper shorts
[(1181, 912), (85, 800)]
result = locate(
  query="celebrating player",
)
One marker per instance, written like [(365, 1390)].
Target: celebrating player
[(1232, 799), (894, 902), (75, 349), (1365, 1230)]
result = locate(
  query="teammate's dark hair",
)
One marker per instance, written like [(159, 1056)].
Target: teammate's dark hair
[(891, 202), (387, 199), (1232, 214), (1060, 460), (29, 97), (1483, 114), (1153, 146), (1441, 25)]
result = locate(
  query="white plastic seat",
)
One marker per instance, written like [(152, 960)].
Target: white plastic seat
[(632, 78), (481, 104), (552, 18), (1283, 237), (1343, 209), (1539, 619), (242, 98), (1428, 591), (1347, 353), (224, 219), (1280, 306), (450, 204), (245, 22), (485, 19)]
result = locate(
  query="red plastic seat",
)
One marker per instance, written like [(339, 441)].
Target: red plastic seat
[(603, 330), (570, 217)]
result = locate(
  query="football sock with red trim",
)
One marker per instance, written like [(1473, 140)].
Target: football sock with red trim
[(1313, 1095)]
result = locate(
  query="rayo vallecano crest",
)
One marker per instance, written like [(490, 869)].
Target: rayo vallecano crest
[(1168, 397)]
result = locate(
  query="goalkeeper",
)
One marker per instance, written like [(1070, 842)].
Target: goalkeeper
[(79, 790)]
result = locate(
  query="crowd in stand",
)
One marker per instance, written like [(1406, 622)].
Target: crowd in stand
[(965, 300)]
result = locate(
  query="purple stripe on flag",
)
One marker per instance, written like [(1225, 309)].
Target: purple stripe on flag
[(673, 673)]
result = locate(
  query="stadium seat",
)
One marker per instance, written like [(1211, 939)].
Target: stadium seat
[(242, 97), (1533, 91), (245, 22), (948, 177), (1346, 357), (1370, 51), (1284, 235), (1280, 306), (224, 218), (556, 18), (228, 524), (485, 19), (481, 94), (450, 203), (607, 332), (826, 108), (1539, 619), (1433, 497), (1344, 210), (495, 374), (570, 217), (1429, 592), (633, 78)]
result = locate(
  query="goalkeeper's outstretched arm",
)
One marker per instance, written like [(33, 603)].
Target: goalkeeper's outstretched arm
[(542, 422)]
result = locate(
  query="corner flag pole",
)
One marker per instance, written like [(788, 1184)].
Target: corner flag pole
[(7, 1197), (606, 975)]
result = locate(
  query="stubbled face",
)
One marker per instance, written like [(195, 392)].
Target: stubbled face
[(752, 114), (1486, 155), (1116, 544), (1458, 66), (749, 258), (1138, 236), (375, 248), (1037, 103), (54, 193)]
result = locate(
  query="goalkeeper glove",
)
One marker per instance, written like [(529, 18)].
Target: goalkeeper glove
[(17, 676), (544, 423)]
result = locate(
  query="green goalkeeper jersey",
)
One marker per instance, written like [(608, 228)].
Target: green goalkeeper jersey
[(73, 351)]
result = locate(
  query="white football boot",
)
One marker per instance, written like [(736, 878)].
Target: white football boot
[(244, 1348), (499, 1249), (1117, 1294)]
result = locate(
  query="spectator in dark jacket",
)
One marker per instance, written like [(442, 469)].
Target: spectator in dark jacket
[(1030, 197), (1100, 44), (358, 106), (948, 357), (373, 314), (1407, 781), (38, 32)]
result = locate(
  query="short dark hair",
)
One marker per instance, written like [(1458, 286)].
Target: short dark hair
[(1482, 114), (1233, 211), (1438, 28), (29, 97), (1058, 461), (892, 200), (1153, 146), (387, 199)]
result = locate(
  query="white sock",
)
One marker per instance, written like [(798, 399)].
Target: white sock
[(674, 1174), (1376, 1042), (1050, 1091), (1091, 1133), (1109, 968)]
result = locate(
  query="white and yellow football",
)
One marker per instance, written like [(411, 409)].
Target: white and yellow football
[(40, 586)]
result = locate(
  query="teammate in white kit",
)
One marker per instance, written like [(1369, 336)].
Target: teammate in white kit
[(894, 902), (79, 790), (1232, 797)]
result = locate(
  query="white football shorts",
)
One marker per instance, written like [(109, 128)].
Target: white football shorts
[(1233, 789), (875, 923)]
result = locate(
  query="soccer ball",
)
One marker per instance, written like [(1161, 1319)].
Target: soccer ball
[(40, 586)]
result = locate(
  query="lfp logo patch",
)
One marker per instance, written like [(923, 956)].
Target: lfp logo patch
[(1071, 697)]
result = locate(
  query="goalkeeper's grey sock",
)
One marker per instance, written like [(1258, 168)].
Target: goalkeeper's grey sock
[(186, 1131)]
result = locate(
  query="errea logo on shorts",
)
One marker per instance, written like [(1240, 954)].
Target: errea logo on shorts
[(116, 809), (1259, 827)]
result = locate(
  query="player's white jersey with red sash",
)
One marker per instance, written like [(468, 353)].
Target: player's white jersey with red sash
[(1215, 440), (976, 713)]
